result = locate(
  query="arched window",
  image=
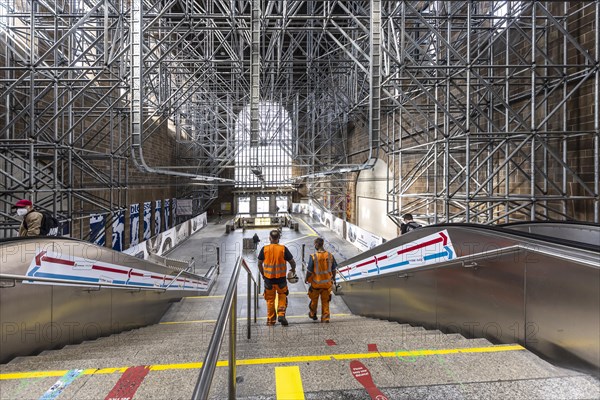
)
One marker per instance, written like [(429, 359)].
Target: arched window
[(266, 161)]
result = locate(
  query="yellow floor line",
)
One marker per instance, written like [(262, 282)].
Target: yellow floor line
[(309, 228), (239, 317), (239, 295), (288, 383), (274, 360), (300, 238)]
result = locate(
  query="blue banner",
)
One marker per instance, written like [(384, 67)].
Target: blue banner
[(147, 219), (167, 208), (134, 224), (97, 229), (157, 211), (118, 229)]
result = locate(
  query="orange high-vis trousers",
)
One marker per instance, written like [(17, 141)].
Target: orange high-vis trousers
[(270, 294), (325, 295)]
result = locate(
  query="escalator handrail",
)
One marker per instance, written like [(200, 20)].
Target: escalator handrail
[(25, 278), (504, 231)]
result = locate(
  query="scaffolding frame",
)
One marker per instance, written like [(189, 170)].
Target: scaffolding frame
[(472, 128), (478, 103)]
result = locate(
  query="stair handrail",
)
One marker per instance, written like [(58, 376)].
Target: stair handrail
[(228, 312)]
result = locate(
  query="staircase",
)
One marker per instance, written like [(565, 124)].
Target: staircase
[(402, 362)]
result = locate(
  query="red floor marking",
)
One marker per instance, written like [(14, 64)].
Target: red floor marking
[(372, 347), (330, 342), (129, 383), (363, 376)]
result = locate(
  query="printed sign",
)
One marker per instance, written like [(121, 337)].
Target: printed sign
[(134, 224), (184, 206), (363, 376), (430, 249), (147, 219), (97, 229), (118, 229), (362, 239)]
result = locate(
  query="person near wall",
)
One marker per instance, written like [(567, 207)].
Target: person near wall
[(32, 220), (272, 266), (255, 240), (409, 224), (320, 274)]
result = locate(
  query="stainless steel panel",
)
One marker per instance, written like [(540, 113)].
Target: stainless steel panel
[(413, 298), (483, 301), (562, 306), (79, 314), (368, 298), (25, 318)]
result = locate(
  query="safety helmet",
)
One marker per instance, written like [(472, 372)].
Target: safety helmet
[(292, 277)]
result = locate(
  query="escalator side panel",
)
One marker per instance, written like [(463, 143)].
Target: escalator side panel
[(562, 303), (413, 298), (484, 300), (25, 328), (79, 314), (370, 298)]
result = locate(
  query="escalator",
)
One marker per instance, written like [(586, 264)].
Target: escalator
[(58, 291), (541, 290)]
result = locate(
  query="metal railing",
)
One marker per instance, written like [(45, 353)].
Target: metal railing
[(228, 312)]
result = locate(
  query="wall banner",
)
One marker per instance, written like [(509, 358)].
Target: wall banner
[(167, 208), (97, 229), (118, 230), (184, 206), (134, 224), (147, 219), (174, 210), (157, 211), (362, 239)]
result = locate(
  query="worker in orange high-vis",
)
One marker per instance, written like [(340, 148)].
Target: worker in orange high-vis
[(320, 274), (272, 266)]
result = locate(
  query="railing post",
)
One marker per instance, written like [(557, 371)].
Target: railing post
[(232, 340), (255, 301), (249, 301), (218, 260), (303, 247)]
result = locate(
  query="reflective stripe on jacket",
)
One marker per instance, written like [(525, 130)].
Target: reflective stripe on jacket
[(321, 276), (274, 263)]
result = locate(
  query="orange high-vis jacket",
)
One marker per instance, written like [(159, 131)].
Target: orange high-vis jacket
[(274, 262), (322, 276)]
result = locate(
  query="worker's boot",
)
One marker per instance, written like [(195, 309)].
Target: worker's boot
[(282, 320)]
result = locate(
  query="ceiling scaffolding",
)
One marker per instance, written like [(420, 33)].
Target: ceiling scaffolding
[(475, 105)]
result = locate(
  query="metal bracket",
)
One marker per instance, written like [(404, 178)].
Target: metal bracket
[(405, 276), (471, 264), (8, 283)]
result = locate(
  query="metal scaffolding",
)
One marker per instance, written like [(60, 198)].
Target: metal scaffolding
[(485, 109), (481, 108)]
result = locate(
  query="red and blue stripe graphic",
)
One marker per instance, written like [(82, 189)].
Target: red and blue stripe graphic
[(56, 266), (433, 248)]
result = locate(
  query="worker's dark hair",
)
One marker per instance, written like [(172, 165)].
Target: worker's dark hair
[(319, 242), (275, 235), (407, 216)]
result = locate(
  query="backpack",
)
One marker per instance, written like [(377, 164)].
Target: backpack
[(411, 226), (49, 225)]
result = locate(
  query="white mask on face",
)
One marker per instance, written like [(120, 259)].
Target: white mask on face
[(21, 212)]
